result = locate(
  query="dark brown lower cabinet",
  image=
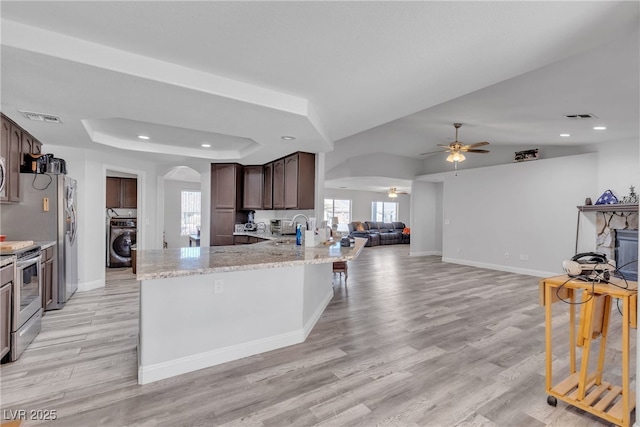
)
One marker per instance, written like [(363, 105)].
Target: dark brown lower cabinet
[(247, 240), (222, 227), (48, 281), (6, 291)]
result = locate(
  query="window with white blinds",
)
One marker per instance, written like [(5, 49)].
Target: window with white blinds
[(189, 212)]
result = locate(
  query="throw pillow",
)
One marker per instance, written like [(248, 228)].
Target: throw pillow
[(406, 230), (358, 226)]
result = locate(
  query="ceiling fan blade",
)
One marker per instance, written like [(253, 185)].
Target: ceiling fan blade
[(477, 144), (444, 145), (473, 150), (433, 152)]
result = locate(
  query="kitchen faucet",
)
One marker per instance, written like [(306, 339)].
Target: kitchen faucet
[(306, 224)]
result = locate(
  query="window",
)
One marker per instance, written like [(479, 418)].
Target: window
[(189, 212), (384, 211), (337, 208)]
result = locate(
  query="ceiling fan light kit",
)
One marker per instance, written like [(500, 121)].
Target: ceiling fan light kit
[(457, 148), (393, 192)]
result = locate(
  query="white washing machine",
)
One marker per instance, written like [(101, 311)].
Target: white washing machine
[(122, 234)]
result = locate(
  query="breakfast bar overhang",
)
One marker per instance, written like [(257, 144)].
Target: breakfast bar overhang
[(201, 307)]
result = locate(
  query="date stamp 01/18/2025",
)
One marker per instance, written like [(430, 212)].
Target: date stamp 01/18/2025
[(29, 414)]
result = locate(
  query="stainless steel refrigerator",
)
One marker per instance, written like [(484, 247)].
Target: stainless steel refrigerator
[(48, 212)]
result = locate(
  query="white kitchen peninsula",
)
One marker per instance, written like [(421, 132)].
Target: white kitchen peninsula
[(202, 306)]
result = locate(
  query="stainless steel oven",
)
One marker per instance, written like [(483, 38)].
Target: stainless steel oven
[(28, 296), (27, 300)]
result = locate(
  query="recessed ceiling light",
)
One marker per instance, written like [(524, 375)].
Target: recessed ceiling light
[(143, 137), (564, 135), (205, 145), (288, 138), (599, 128)]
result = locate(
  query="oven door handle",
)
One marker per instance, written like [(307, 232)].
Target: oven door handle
[(26, 262)]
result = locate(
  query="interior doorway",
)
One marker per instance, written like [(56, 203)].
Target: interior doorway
[(121, 216), (182, 207)]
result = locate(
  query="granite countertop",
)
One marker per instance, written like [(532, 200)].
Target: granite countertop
[(45, 244), (277, 252), (7, 259), (263, 235)]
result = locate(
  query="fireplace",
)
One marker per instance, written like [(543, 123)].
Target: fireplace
[(626, 253), (617, 238)]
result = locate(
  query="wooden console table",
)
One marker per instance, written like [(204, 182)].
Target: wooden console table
[(582, 389)]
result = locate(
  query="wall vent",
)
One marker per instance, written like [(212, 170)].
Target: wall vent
[(581, 116), (41, 117)]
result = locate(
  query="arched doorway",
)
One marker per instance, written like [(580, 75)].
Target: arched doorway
[(182, 206)]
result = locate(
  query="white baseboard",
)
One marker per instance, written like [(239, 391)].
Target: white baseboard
[(160, 371), (308, 326), (425, 253), (89, 286), (517, 270)]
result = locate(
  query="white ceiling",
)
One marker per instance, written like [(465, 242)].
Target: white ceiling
[(392, 76)]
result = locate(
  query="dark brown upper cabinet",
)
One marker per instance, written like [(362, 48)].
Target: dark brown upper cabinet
[(122, 193), (11, 151), (278, 184), (267, 192), (226, 202), (226, 185), (16, 142), (253, 187), (299, 181)]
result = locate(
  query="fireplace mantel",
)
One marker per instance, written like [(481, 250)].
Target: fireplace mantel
[(618, 210), (608, 208)]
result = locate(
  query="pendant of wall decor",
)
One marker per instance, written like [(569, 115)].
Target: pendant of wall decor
[(632, 198)]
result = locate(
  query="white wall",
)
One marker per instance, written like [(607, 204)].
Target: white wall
[(426, 208), (618, 168), (361, 203), (521, 209), (172, 211), (90, 169)]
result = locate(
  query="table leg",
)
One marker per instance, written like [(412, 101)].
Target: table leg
[(548, 356), (586, 329), (626, 394), (572, 331)]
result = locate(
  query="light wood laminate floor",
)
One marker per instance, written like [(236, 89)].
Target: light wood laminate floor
[(411, 341)]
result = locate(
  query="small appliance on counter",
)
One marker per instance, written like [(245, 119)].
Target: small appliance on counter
[(251, 225), (282, 227)]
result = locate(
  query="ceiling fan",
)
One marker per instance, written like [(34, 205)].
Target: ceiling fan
[(457, 149), (393, 192)]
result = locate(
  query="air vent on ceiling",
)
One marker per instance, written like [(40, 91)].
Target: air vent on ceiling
[(581, 116), (41, 117)]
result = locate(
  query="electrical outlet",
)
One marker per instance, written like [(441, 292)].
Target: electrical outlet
[(506, 255), (218, 286), (524, 257)]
